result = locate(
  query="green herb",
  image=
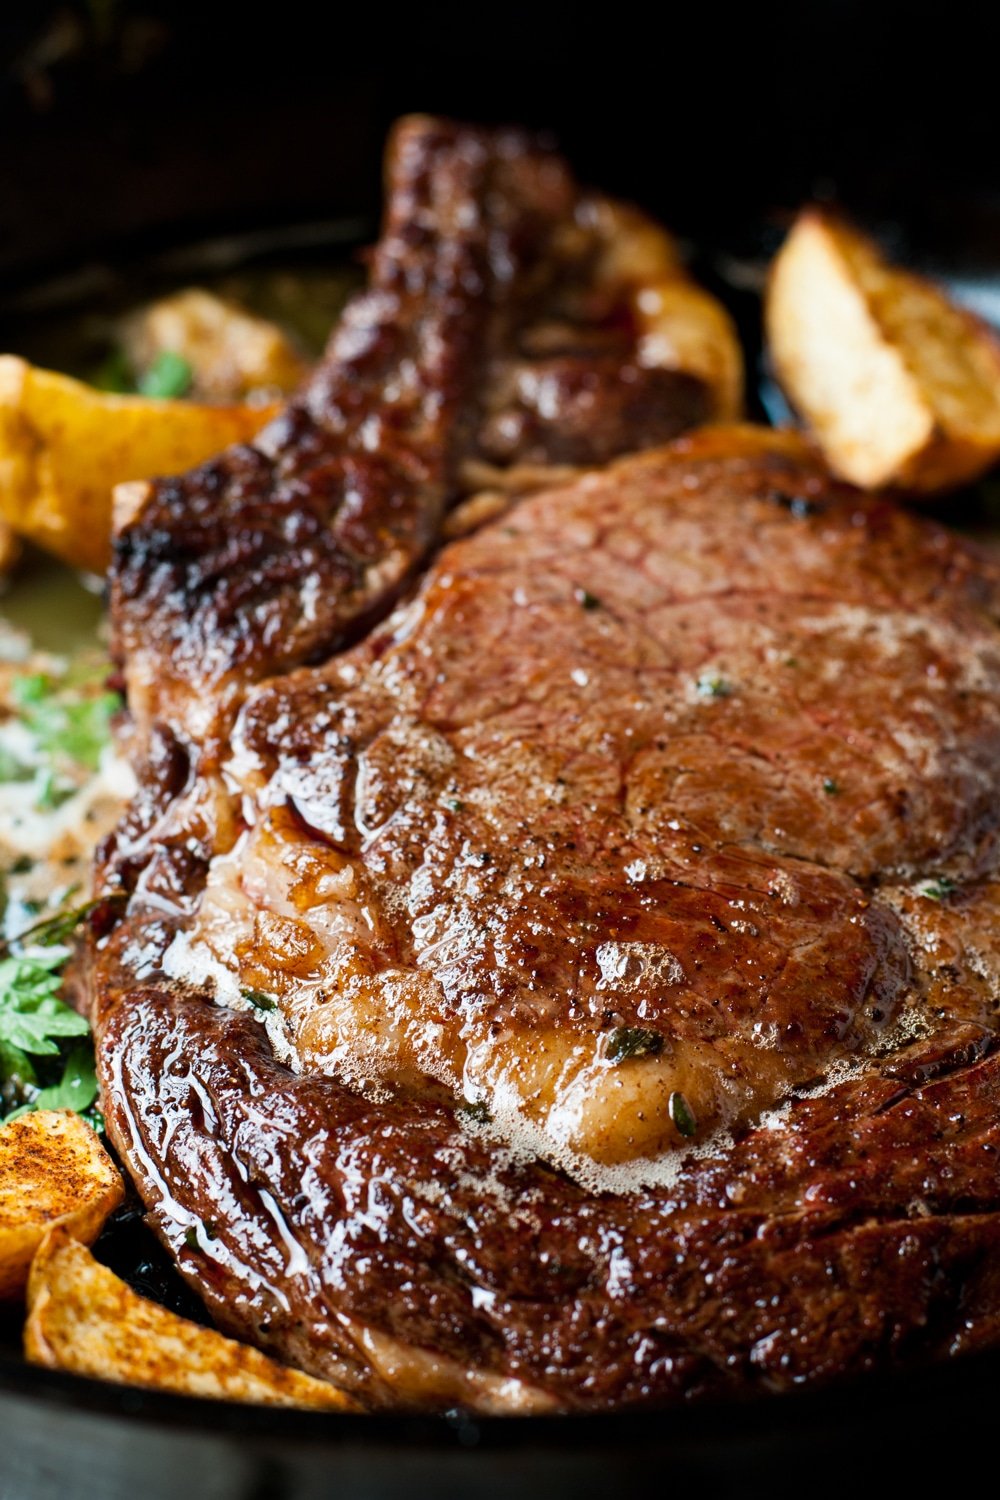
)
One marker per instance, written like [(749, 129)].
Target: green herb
[(632, 1041), (114, 374), (77, 1088), (58, 929), (32, 1016), (475, 1110), (36, 1024), (713, 687), (170, 375), (585, 598), (32, 689), (50, 791), (455, 805), (63, 724), (681, 1114), (939, 889), (192, 1238), (259, 1000), (12, 769), (830, 786)]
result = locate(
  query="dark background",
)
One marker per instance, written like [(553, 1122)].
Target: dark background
[(126, 122)]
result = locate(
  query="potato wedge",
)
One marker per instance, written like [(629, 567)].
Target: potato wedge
[(231, 352), (53, 1171), (8, 548), (900, 386), (680, 326), (81, 1317), (63, 446)]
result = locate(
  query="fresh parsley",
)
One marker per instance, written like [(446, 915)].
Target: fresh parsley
[(32, 1016), (46, 1057), (63, 721), (939, 889), (681, 1115), (632, 1041), (475, 1109), (586, 599), (260, 1000), (169, 376), (713, 687)]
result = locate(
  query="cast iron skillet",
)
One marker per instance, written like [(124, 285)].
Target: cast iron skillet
[(129, 131)]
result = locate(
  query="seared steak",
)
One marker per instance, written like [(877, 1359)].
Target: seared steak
[(581, 990), (505, 328)]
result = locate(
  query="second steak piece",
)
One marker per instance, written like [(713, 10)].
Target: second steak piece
[(510, 323)]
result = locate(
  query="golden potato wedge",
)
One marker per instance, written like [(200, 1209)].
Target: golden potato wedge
[(681, 326), (63, 446), (53, 1171), (81, 1317), (900, 386), (230, 351), (8, 548)]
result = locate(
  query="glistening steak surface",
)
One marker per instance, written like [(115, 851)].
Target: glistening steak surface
[(660, 828)]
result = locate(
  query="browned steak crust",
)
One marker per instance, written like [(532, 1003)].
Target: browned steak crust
[(491, 336), (708, 702)]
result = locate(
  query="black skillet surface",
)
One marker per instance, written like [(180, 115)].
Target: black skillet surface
[(130, 131)]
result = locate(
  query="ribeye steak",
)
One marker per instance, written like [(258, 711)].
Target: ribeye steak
[(559, 967)]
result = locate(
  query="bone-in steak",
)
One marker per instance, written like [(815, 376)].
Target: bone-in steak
[(581, 991)]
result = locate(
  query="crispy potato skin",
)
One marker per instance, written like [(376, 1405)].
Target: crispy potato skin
[(64, 445), (53, 1171), (81, 1317), (900, 386)]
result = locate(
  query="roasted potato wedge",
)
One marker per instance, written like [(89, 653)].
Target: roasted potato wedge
[(81, 1317), (230, 351), (680, 326), (63, 446), (8, 548), (53, 1171), (900, 386)]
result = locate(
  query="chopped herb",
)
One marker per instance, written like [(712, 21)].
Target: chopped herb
[(12, 769), (32, 1016), (31, 689), (259, 1000), (50, 791), (114, 374), (632, 1041), (830, 786), (193, 1239), (56, 931), (585, 598), (713, 687), (45, 1063), (62, 722), (791, 661), (939, 889), (77, 1088), (475, 1109), (455, 805), (169, 376), (681, 1114)]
